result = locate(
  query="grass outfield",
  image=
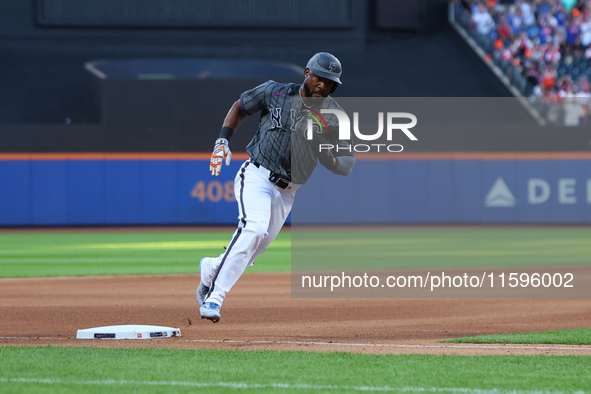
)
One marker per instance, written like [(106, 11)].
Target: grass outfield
[(120, 253), (74, 370), (564, 337), (416, 247), (117, 253)]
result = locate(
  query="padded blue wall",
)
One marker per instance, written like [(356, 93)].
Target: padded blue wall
[(450, 191), (112, 192), (169, 192)]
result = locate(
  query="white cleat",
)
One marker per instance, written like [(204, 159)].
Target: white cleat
[(211, 311), (202, 291), (207, 275)]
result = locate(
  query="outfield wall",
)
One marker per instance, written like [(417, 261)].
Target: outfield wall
[(454, 188), (177, 189)]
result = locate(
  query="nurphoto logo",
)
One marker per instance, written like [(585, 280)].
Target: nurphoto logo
[(388, 118)]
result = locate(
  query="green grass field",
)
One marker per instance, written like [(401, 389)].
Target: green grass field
[(117, 253), (414, 247), (73, 370), (564, 337)]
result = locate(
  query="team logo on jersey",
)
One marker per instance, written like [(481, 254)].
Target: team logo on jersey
[(275, 118), (315, 127)]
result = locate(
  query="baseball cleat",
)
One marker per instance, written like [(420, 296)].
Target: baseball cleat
[(202, 291), (206, 276), (211, 311)]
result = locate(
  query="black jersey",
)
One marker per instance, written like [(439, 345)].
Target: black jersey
[(280, 143)]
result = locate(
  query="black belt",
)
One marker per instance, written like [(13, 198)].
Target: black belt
[(274, 178)]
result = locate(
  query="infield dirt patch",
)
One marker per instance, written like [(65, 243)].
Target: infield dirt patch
[(259, 314)]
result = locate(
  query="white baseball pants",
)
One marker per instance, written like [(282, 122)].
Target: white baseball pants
[(262, 211)]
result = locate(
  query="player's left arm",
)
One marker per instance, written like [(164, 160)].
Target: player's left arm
[(342, 150), (345, 161), (342, 153), (339, 161)]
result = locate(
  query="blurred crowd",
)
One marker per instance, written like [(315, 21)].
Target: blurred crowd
[(543, 46)]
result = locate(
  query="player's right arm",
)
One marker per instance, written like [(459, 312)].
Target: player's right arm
[(221, 149), (235, 116), (250, 101)]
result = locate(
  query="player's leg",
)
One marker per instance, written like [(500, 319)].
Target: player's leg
[(281, 205), (208, 266), (280, 209), (254, 195)]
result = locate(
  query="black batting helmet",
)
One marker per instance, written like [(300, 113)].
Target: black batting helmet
[(326, 66)]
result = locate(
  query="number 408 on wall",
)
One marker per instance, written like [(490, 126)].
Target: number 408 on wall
[(214, 191)]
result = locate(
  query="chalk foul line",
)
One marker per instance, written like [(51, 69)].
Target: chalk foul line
[(377, 345), (450, 346), (293, 386)]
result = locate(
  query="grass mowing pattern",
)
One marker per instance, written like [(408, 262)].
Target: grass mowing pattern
[(101, 253), (64, 369), (560, 337), (438, 248), (87, 253)]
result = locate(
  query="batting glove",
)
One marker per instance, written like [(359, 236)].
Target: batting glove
[(221, 152)]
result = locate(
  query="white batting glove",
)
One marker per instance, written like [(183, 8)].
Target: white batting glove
[(221, 152)]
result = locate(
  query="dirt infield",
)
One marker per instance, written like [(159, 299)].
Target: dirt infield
[(259, 314)]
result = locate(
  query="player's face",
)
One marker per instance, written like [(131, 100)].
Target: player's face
[(315, 86)]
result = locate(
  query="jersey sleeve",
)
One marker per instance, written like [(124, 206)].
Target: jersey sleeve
[(255, 99)]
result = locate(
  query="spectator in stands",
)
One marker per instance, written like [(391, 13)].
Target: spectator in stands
[(558, 11), (504, 30), (521, 44), (565, 86), (573, 111), (537, 52), (515, 19), (573, 30), (547, 23), (527, 13), (552, 55), (482, 20), (532, 76), (585, 31), (583, 87), (549, 75)]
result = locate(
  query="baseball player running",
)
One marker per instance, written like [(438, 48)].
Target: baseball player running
[(282, 157)]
